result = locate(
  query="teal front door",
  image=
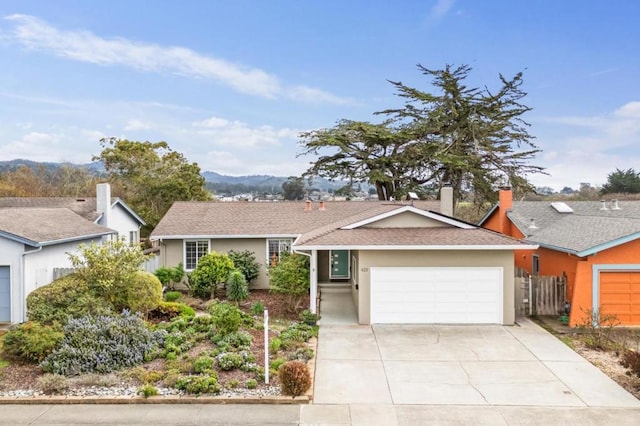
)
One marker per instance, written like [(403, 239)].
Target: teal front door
[(339, 264)]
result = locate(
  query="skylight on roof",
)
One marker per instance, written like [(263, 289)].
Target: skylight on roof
[(561, 207)]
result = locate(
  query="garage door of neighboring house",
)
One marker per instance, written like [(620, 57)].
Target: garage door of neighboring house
[(620, 296), (5, 294), (429, 295)]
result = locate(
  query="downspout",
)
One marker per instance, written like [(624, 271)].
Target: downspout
[(23, 286)]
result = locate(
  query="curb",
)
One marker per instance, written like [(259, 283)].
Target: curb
[(75, 400)]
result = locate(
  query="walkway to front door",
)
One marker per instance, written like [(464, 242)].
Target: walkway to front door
[(337, 309)]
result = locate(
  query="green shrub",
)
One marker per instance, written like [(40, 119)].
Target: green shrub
[(148, 390), (295, 378), (276, 363), (308, 318), (103, 344), (169, 277), (235, 341), (301, 354), (199, 384), (52, 384), (298, 332), (290, 277), (186, 311), (144, 292), (237, 288), (145, 376), (65, 297), (226, 317), (31, 341), (257, 308), (275, 344), (165, 311), (251, 384), (202, 323), (172, 296), (229, 361), (176, 343), (232, 384), (245, 261), (213, 269), (203, 364), (108, 269)]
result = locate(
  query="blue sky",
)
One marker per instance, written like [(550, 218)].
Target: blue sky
[(231, 84)]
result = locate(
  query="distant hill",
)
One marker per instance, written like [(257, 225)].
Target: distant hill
[(215, 181)]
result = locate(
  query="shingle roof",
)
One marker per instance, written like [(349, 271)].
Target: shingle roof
[(85, 207), (279, 218), (584, 230), (441, 236), (315, 227), (41, 226)]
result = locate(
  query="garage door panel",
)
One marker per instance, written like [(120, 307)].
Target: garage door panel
[(620, 296), (436, 295)]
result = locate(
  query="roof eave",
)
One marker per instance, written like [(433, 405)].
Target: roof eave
[(130, 211), (19, 239), (488, 214), (608, 245), (417, 247), (76, 238), (220, 237)]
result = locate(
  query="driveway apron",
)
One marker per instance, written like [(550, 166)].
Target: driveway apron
[(519, 365)]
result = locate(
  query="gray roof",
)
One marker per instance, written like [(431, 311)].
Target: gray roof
[(85, 207), (44, 226), (587, 230), (319, 228), (210, 218)]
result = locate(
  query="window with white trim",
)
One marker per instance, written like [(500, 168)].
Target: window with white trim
[(275, 247), (133, 237), (193, 251)]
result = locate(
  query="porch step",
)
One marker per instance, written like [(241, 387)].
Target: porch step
[(334, 288)]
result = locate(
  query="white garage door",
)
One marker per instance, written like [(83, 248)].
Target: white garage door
[(436, 295)]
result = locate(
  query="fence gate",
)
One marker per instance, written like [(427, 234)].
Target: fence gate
[(540, 295)]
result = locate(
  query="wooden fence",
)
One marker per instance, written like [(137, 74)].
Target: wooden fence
[(540, 295)]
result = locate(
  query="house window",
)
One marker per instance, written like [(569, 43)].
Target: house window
[(133, 237), (275, 248), (535, 266), (193, 251)]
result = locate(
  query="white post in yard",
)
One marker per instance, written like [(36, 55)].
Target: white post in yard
[(266, 346)]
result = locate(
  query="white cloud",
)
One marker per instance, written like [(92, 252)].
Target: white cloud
[(222, 132), (137, 125), (309, 94), (629, 110), (596, 146), (37, 35), (440, 9)]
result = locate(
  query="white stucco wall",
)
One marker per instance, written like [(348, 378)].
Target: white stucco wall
[(34, 269), (120, 220)]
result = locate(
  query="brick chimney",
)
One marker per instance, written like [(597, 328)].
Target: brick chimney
[(505, 203), (446, 200), (103, 202), (307, 206)]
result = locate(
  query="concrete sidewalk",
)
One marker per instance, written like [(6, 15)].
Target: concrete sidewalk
[(352, 414), (458, 365)]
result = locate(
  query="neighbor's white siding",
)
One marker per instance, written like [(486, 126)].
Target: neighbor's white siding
[(120, 220)]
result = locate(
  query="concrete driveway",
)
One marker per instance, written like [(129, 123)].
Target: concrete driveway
[(521, 365)]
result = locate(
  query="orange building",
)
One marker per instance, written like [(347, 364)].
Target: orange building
[(596, 244)]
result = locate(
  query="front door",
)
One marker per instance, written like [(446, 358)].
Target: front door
[(339, 264), (5, 294)]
